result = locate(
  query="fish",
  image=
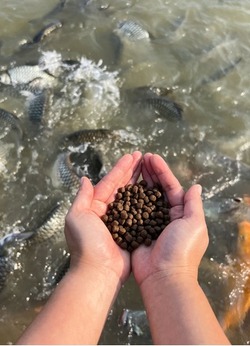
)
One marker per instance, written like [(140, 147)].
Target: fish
[(239, 271), (10, 121), (236, 269), (42, 34), (216, 63), (221, 72), (37, 105), (86, 136), (69, 167), (131, 30), (155, 99), (11, 136), (46, 31), (127, 33), (29, 75), (48, 231), (164, 107), (51, 228)]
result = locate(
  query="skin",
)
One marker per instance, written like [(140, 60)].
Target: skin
[(166, 272), (77, 310)]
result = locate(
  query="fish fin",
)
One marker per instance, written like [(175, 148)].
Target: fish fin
[(15, 237)]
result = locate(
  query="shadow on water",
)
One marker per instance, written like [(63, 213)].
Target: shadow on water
[(165, 78)]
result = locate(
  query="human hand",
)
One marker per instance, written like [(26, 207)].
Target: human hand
[(180, 247), (88, 239)]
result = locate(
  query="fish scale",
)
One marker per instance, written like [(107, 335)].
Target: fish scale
[(53, 227), (131, 30), (8, 119), (27, 74), (164, 107)]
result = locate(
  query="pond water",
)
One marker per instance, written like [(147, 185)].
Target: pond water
[(198, 53)]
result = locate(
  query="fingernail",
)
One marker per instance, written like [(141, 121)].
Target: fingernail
[(199, 188)]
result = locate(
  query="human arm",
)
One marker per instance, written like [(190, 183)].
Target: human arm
[(77, 310), (166, 272)]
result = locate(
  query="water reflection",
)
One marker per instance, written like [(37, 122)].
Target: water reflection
[(199, 51)]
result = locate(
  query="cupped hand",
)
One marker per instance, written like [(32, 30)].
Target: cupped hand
[(88, 239), (181, 245)]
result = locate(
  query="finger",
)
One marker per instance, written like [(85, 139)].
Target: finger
[(145, 169), (117, 177), (176, 212), (84, 197), (193, 206), (136, 168), (161, 173), (134, 171)]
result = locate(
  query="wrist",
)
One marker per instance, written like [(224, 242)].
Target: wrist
[(100, 275), (168, 278)]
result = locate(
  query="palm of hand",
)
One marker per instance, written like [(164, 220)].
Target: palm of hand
[(169, 254), (87, 236)]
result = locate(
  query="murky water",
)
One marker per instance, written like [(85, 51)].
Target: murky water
[(197, 49)]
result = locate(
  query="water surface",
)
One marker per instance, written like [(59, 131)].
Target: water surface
[(199, 50)]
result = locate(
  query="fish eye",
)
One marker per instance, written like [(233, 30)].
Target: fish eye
[(237, 199)]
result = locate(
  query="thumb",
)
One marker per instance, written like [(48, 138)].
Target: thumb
[(84, 196), (193, 206)]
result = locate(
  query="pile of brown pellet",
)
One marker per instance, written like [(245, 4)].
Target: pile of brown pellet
[(137, 216)]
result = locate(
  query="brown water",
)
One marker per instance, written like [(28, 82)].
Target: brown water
[(191, 43)]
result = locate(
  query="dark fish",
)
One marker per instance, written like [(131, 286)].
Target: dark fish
[(164, 107), (47, 30), (37, 105), (221, 72), (155, 99), (86, 136), (131, 30), (63, 172), (71, 166), (10, 121), (52, 228)]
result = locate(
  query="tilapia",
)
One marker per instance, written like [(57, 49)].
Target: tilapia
[(86, 136), (10, 121), (164, 107), (37, 105), (131, 30), (29, 75), (42, 34), (47, 30), (52, 228), (71, 166), (49, 231), (155, 99)]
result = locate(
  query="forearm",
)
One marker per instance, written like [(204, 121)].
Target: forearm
[(77, 310), (179, 313)]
